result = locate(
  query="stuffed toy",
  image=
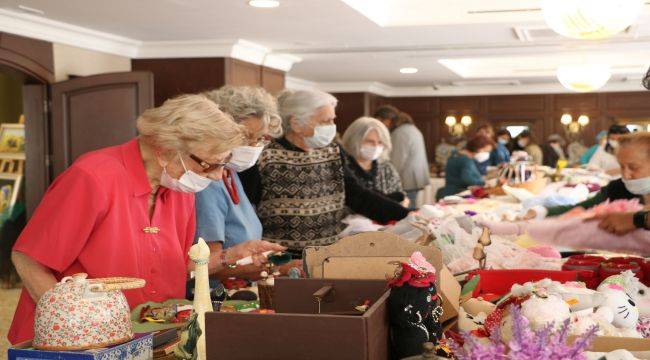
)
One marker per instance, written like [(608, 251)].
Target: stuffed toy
[(633, 287), (414, 307)]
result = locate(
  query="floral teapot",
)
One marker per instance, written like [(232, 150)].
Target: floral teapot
[(80, 313)]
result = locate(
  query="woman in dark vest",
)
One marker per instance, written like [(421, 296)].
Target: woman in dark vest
[(300, 185)]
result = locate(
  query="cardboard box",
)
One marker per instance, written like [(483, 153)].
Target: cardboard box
[(370, 256), (297, 331), (640, 348), (140, 348)]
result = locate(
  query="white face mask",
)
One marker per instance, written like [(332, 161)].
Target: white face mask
[(522, 143), (638, 186), (189, 182), (613, 144), (482, 156), (371, 153), (323, 136), (502, 141), (244, 157)]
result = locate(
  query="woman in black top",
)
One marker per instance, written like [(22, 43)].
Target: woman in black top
[(367, 145)]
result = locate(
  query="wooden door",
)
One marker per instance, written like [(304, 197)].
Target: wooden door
[(96, 111), (37, 174)]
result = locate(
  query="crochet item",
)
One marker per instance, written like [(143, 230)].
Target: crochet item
[(414, 307)]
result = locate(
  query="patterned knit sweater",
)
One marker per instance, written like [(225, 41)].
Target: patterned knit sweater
[(302, 198)]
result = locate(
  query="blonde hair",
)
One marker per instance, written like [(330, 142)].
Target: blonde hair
[(302, 104), (244, 102), (359, 129), (188, 123), (638, 138)]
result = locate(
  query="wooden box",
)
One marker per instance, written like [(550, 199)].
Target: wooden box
[(297, 331)]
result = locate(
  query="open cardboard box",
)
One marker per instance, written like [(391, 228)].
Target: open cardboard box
[(640, 348), (371, 255), (298, 331)]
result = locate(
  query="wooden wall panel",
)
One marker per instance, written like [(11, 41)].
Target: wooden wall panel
[(272, 80), (541, 112), (181, 76), (350, 107), (240, 73)]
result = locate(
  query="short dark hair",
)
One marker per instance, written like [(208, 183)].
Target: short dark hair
[(386, 112), (646, 80), (504, 132), (478, 142), (618, 129), (525, 134)]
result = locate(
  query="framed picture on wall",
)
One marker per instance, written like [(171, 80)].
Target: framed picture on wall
[(9, 190), (12, 138)]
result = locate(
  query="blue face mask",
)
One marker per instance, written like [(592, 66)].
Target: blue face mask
[(638, 186), (502, 141)]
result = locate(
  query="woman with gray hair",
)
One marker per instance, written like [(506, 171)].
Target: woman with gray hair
[(301, 186), (128, 210), (367, 143), (224, 215)]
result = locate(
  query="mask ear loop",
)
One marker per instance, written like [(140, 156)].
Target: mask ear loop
[(182, 162)]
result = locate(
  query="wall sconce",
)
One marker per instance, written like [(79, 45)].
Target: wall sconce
[(574, 127), (458, 128)]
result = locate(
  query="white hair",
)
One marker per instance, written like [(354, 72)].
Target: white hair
[(301, 105), (359, 129), (243, 102)]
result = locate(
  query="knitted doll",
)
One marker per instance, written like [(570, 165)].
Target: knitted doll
[(414, 307)]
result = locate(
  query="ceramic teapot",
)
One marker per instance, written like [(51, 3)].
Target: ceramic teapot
[(80, 314)]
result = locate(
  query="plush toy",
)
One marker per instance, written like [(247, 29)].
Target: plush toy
[(633, 287), (414, 307)]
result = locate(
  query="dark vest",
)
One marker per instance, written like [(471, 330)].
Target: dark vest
[(303, 196)]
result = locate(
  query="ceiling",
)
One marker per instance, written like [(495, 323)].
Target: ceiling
[(459, 46)]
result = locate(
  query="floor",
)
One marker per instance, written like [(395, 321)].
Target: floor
[(8, 301)]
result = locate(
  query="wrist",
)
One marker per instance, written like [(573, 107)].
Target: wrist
[(225, 259), (640, 220)]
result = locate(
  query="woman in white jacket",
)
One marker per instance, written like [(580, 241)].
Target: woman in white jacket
[(605, 156)]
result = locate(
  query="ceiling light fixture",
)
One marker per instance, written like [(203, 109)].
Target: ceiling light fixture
[(408, 70), (583, 77), (590, 19), (267, 4)]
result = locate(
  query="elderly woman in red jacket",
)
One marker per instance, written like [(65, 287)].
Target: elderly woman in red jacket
[(128, 210)]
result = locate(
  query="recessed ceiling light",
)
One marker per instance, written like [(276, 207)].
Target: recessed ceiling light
[(408, 70), (264, 3)]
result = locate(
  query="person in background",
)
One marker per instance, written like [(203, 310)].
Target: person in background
[(224, 215), (575, 149), (553, 150), (487, 131), (409, 156), (367, 145), (601, 138), (501, 154), (525, 142), (300, 184), (388, 115), (634, 157), (128, 210), (444, 150), (461, 171), (605, 156)]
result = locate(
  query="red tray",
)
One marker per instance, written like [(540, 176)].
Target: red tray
[(499, 282)]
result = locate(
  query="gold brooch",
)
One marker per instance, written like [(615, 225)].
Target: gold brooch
[(151, 230)]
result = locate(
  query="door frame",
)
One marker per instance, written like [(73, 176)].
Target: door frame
[(37, 172)]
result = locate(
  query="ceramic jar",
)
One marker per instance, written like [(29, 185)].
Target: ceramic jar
[(80, 313)]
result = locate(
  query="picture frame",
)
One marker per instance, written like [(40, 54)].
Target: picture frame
[(12, 141), (10, 186)]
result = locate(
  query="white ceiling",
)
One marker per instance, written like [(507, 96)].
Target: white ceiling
[(488, 46)]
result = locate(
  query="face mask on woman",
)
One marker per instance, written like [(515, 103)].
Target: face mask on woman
[(613, 144), (370, 152), (638, 186), (244, 157), (522, 143), (502, 141), (482, 156), (323, 136), (189, 182)]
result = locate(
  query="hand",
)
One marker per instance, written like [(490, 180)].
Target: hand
[(284, 269), (616, 223), (253, 248), (530, 214), (406, 202)]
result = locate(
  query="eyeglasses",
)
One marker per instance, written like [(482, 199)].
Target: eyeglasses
[(261, 141), (208, 167)]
